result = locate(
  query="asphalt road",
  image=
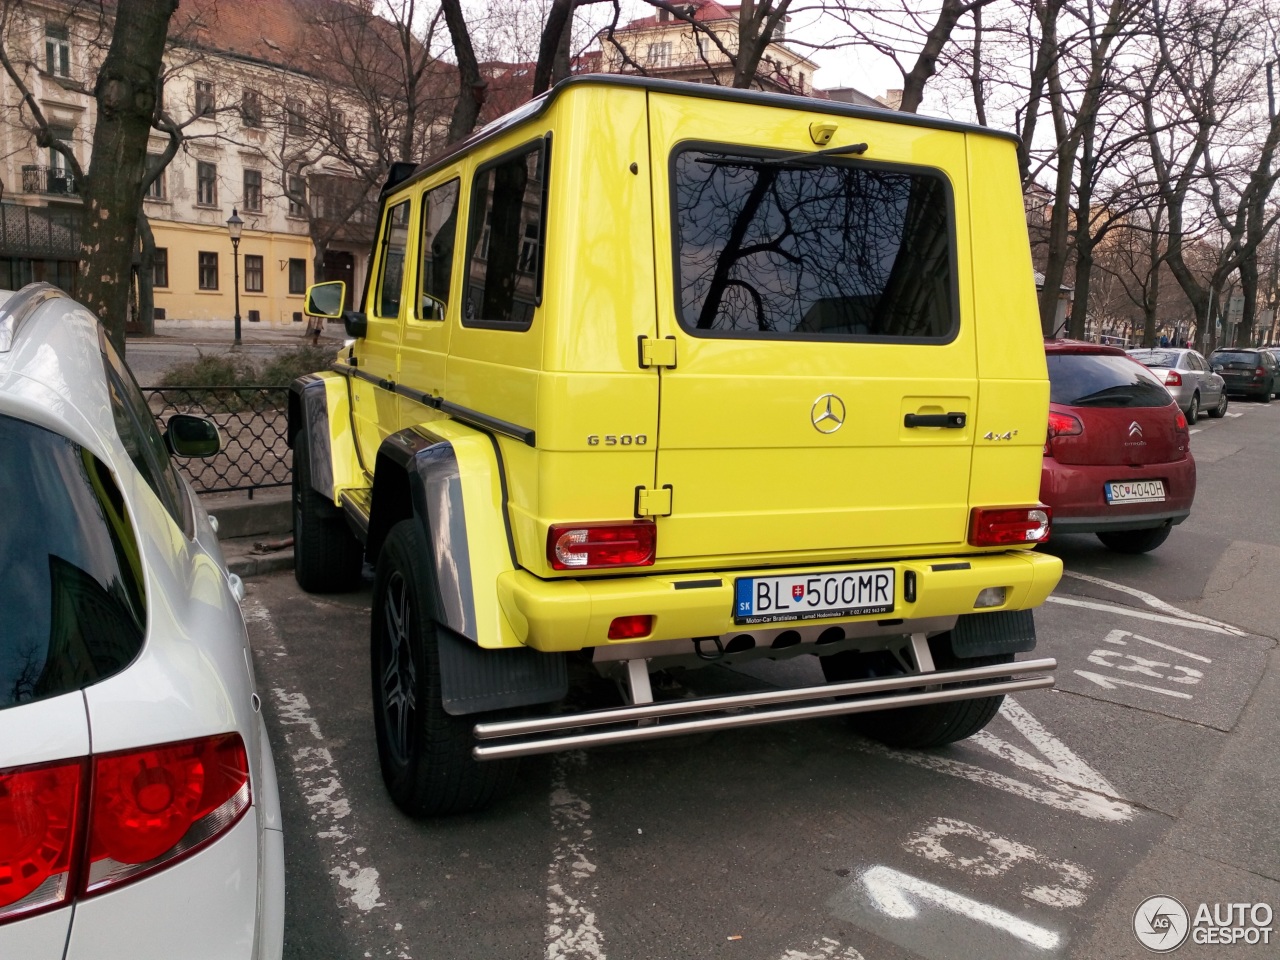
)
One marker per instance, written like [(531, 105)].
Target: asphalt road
[(1151, 769)]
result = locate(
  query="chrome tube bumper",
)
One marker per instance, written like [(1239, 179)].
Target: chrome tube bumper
[(754, 709)]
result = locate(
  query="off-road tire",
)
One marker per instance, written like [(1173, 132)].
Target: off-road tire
[(931, 725), (1193, 411), (1135, 541), (327, 558), (1220, 410), (424, 753)]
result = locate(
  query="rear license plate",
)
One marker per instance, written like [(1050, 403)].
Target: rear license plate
[(813, 596), (1134, 491)]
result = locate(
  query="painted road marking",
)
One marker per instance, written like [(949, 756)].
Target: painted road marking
[(824, 949), (1194, 430), (892, 893), (1111, 683), (1144, 615), (572, 931), (1000, 856), (1132, 663), (1066, 782), (1117, 636), (1151, 600)]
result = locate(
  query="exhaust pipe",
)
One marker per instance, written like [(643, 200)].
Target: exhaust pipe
[(872, 695)]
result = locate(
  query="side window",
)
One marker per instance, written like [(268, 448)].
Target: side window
[(505, 240), (439, 230), (141, 439), (395, 236)]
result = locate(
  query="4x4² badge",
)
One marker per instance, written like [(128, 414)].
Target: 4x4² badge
[(827, 414)]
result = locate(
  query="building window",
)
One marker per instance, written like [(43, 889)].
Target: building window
[(57, 50), (204, 98), (208, 271), (297, 196), (658, 55), (160, 267), (61, 179), (338, 129), (295, 117), (252, 273), (206, 184), (253, 190), (297, 275), (251, 108), (156, 188)]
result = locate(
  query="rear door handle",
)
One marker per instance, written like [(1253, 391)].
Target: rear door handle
[(951, 421)]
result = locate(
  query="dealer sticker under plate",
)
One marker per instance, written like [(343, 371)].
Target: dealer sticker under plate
[(813, 596), (1134, 491)]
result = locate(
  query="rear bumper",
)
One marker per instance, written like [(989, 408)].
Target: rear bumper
[(1080, 505), (1247, 388), (562, 615)]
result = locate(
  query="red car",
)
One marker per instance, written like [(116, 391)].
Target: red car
[(1117, 459)]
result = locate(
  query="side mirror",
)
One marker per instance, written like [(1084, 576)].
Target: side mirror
[(188, 436), (326, 299)]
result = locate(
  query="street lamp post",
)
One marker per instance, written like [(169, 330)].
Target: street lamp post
[(234, 226)]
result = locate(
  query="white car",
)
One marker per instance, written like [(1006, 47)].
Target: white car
[(139, 814)]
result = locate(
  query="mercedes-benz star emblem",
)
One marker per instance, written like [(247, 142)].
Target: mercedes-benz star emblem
[(827, 413)]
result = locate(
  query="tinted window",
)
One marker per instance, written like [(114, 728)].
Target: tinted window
[(1097, 380), (504, 240), (71, 596), (439, 227), (136, 427), (812, 249), (1158, 358), (1237, 358), (395, 235)]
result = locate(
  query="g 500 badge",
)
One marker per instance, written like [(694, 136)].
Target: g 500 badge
[(618, 439)]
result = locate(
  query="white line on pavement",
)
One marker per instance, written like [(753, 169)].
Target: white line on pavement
[(1117, 636), (1143, 615), (1110, 683), (572, 933), (1151, 600)]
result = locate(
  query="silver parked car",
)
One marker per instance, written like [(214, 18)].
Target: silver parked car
[(1188, 377)]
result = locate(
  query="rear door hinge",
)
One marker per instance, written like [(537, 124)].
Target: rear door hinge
[(655, 352), (653, 503)]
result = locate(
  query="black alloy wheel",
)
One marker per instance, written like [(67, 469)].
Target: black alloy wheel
[(1193, 411), (424, 752), (1220, 410)]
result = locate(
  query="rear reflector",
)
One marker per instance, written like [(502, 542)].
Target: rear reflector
[(39, 833), (631, 628), (580, 546), (1008, 526)]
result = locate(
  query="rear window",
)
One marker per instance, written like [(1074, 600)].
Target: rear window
[(1100, 380), (1156, 358), (1245, 358), (71, 598), (812, 250)]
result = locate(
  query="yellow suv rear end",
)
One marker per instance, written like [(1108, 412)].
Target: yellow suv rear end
[(655, 376)]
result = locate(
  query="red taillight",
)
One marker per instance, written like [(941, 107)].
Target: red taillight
[(40, 816), (1008, 526), (1181, 421), (578, 546), (150, 807), (631, 628), (1172, 378), (1061, 425), (1259, 373), (146, 809)]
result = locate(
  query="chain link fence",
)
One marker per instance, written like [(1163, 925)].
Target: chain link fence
[(253, 421)]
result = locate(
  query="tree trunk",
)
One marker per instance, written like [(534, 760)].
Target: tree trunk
[(126, 96), (471, 86)]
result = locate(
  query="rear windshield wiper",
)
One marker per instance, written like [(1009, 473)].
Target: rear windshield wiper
[(803, 158)]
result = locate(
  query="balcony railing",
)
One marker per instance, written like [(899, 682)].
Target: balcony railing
[(50, 180)]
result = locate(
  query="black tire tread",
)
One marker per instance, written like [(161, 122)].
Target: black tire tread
[(1135, 541), (327, 558), (443, 777)]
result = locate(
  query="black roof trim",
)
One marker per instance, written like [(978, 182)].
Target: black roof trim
[(537, 106)]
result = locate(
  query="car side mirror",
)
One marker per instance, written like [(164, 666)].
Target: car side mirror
[(189, 436), (326, 299)]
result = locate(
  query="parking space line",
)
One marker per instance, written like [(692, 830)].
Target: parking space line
[(572, 931), (1151, 600), (1143, 615)]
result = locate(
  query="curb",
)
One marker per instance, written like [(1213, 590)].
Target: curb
[(247, 567)]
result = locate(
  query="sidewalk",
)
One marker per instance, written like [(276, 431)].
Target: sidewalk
[(222, 333), (256, 535)]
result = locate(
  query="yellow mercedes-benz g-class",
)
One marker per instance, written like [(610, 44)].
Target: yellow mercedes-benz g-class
[(653, 376)]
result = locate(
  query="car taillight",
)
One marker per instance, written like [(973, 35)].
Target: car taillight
[(631, 628), (146, 809), (151, 807), (580, 546), (1008, 526), (1061, 425), (40, 820), (1172, 378), (1181, 421), (1259, 373)]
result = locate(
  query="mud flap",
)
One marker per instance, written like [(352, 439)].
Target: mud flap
[(474, 680), (987, 634)]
